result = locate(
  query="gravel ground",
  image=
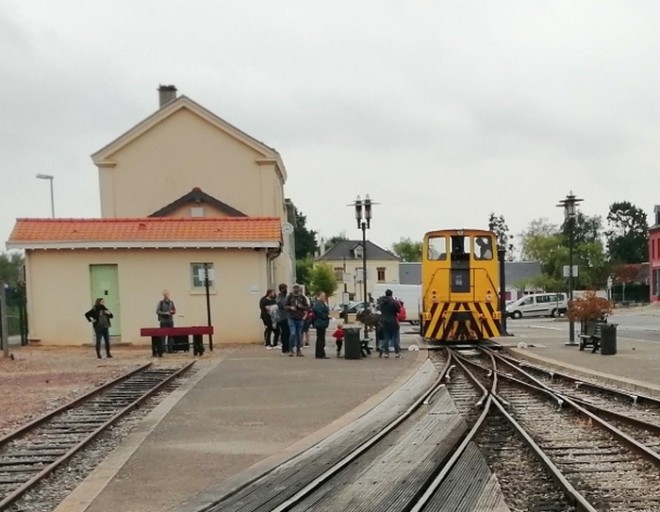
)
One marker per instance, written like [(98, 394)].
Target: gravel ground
[(40, 379), (47, 495)]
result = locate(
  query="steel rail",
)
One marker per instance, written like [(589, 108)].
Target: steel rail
[(652, 427), (578, 500), (580, 383), (640, 448), (20, 491), (73, 403), (366, 446)]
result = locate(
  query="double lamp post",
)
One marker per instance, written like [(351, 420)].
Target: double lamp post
[(570, 214), (363, 218)]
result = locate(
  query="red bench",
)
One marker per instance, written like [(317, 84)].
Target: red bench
[(179, 335)]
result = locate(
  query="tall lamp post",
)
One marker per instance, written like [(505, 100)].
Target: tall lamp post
[(569, 205), (50, 178), (363, 218)]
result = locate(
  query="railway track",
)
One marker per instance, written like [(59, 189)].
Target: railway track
[(31, 453), (610, 468), (516, 449), (636, 414), (522, 477)]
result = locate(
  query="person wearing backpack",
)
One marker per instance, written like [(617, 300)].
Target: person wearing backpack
[(297, 306), (321, 312)]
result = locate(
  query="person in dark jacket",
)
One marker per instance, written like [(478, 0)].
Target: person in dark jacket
[(283, 323), (165, 311), (100, 317), (321, 322), (389, 311), (297, 306), (265, 303)]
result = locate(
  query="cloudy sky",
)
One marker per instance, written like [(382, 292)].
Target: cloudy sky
[(441, 111)]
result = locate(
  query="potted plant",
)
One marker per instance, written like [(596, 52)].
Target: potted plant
[(589, 309)]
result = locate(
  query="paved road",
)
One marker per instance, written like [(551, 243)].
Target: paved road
[(636, 327)]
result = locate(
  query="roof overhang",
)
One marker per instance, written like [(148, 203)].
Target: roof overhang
[(136, 244)]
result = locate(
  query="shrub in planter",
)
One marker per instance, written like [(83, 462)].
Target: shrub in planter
[(589, 308)]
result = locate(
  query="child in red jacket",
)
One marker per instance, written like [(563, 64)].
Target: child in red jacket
[(338, 335)]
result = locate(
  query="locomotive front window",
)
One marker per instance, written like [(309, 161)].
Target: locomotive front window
[(437, 248), (460, 247), (483, 248)]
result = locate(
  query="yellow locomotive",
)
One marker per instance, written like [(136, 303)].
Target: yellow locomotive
[(460, 283)]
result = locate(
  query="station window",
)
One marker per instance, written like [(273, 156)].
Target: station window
[(437, 248), (339, 273), (197, 276), (381, 274)]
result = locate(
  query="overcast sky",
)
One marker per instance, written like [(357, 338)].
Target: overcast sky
[(441, 111)]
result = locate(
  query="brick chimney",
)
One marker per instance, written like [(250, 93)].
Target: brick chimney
[(166, 93)]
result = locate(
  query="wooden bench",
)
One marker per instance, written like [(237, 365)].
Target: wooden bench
[(179, 336), (591, 336)]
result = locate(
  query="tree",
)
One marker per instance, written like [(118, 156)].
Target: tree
[(305, 239), (11, 267), (303, 270), (627, 238), (498, 225), (334, 240), (586, 229), (548, 245), (323, 279), (407, 250)]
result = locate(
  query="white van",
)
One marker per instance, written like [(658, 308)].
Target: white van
[(538, 304), (410, 294)]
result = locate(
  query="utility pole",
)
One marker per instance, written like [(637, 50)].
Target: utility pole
[(208, 303), (501, 256)]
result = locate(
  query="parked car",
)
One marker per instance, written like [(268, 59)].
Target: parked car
[(538, 304)]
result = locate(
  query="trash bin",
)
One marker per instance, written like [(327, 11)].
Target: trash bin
[(352, 348), (608, 339)]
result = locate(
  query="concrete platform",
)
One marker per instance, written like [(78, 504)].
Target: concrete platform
[(249, 410), (635, 366)]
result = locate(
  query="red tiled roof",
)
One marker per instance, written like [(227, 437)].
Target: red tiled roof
[(152, 230)]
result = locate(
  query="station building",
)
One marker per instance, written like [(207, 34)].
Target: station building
[(181, 191)]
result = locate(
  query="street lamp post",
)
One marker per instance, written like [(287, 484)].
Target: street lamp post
[(569, 205), (50, 178), (363, 218)]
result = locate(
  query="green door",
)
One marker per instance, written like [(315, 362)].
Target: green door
[(105, 285)]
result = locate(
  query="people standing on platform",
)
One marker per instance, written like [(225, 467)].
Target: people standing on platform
[(165, 312), (265, 303), (100, 317), (338, 335), (389, 311), (283, 323), (297, 306), (321, 312)]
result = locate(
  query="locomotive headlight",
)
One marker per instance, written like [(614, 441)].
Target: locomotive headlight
[(489, 297)]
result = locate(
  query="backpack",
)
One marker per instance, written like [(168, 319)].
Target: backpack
[(274, 313), (401, 316)]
